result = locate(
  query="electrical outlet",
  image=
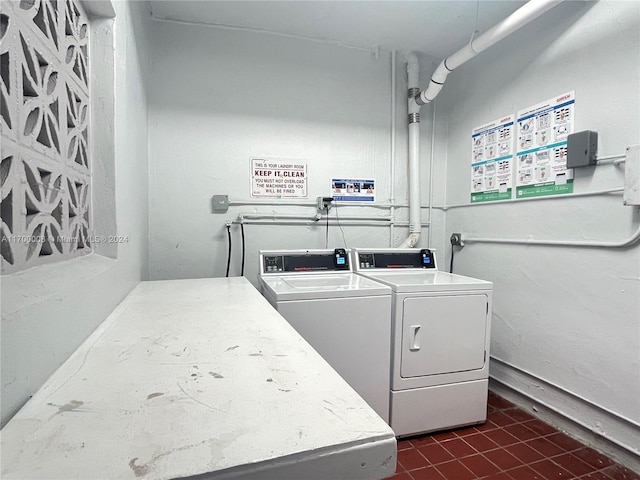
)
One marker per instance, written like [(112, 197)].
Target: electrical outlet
[(456, 239), (324, 203)]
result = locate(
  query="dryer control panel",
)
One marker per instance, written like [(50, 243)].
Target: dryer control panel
[(304, 261), (395, 258)]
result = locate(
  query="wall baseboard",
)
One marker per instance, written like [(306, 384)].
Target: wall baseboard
[(611, 435)]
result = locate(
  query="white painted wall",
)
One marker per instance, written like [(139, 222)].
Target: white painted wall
[(48, 311), (219, 97), (570, 317)]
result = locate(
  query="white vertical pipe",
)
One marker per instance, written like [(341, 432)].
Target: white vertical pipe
[(392, 173), (431, 158), (413, 74)]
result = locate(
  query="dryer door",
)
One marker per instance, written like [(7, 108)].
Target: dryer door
[(443, 334)]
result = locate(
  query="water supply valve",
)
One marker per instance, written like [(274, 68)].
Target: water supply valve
[(456, 239)]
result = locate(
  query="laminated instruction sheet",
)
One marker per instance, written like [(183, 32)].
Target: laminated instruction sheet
[(542, 131), (492, 160), (353, 190)]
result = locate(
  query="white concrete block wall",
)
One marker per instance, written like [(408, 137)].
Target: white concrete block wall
[(48, 310), (45, 129)]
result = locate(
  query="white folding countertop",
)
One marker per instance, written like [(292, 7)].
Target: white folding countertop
[(196, 377)]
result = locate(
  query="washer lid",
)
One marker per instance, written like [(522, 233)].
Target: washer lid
[(309, 287), (427, 281)]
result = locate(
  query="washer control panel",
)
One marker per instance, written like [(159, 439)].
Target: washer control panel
[(273, 263), (395, 258), (304, 261)]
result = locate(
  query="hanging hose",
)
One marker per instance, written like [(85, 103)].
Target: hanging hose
[(340, 226), (326, 237), (242, 267), (229, 254), (451, 264)]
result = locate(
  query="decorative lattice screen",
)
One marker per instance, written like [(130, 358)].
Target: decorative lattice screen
[(45, 128)]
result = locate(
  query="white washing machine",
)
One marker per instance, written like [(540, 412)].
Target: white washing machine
[(345, 317), (441, 324)]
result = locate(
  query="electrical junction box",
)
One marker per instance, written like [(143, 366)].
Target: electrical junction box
[(582, 149), (631, 194), (324, 203), (220, 203)]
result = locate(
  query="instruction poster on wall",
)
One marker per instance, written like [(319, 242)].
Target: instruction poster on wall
[(492, 160), (542, 147), (274, 178), (351, 190)]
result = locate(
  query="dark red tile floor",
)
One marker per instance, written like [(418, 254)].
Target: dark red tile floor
[(511, 445)]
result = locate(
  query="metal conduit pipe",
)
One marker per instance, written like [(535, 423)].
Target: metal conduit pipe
[(281, 203), (635, 236), (383, 206), (241, 203), (314, 218), (518, 19), (307, 223), (593, 193)]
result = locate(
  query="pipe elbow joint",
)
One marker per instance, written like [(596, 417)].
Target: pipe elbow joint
[(411, 241), (412, 60)]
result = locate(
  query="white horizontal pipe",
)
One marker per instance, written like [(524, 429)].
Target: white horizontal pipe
[(635, 236), (437, 207), (525, 14), (315, 218), (285, 203), (611, 157), (238, 203), (358, 217), (332, 222), (531, 199), (275, 216)]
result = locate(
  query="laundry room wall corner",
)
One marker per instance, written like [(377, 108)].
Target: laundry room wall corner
[(564, 317)]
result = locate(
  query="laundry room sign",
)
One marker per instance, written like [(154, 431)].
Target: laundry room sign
[(278, 178)]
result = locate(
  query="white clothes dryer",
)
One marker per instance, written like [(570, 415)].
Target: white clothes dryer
[(441, 324), (345, 317)]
